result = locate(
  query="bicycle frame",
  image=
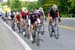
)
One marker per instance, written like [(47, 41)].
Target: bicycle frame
[(53, 28)]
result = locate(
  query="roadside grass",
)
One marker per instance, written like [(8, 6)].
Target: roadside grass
[(64, 16)]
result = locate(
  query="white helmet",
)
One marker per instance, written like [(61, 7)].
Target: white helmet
[(17, 13), (25, 10), (37, 11), (41, 9), (55, 7)]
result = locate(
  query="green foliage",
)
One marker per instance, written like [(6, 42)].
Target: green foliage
[(3, 3), (33, 5), (65, 6), (46, 4), (15, 5), (72, 7)]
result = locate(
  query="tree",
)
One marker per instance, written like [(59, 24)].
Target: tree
[(72, 6), (46, 4), (15, 5)]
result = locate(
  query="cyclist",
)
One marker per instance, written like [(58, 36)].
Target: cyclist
[(41, 17), (53, 13), (19, 21), (33, 21), (41, 11), (24, 15), (35, 16), (12, 14)]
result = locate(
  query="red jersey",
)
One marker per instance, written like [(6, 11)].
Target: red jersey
[(23, 14)]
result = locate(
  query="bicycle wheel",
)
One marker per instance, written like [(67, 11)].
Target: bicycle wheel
[(42, 29), (19, 27), (50, 30), (34, 34), (37, 36), (56, 33), (26, 32), (13, 24)]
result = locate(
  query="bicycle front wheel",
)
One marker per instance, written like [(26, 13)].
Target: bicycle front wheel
[(50, 30)]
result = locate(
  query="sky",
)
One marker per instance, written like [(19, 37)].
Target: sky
[(23, 0)]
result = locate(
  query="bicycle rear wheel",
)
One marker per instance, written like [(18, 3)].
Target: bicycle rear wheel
[(42, 28), (37, 37)]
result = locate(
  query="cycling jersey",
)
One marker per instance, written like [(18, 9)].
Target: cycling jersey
[(12, 15), (23, 14), (33, 18), (52, 13), (18, 18)]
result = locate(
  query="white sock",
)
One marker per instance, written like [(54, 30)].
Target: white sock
[(23, 33), (31, 38)]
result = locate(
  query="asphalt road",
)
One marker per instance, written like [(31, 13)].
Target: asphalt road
[(66, 39), (7, 40)]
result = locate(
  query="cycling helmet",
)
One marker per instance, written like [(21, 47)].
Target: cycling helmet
[(55, 7), (41, 9), (17, 13)]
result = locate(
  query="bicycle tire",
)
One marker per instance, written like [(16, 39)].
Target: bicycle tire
[(50, 30), (42, 29), (37, 42), (56, 31)]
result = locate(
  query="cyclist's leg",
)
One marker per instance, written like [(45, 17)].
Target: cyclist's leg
[(30, 32), (50, 27), (53, 24), (34, 33), (12, 24), (31, 28), (56, 28), (19, 27), (23, 27)]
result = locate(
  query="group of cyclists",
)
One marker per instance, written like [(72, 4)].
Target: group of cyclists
[(33, 18)]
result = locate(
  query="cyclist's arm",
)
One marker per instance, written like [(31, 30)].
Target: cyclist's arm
[(16, 20), (58, 16), (49, 17)]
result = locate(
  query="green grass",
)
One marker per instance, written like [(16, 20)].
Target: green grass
[(62, 16), (66, 16)]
